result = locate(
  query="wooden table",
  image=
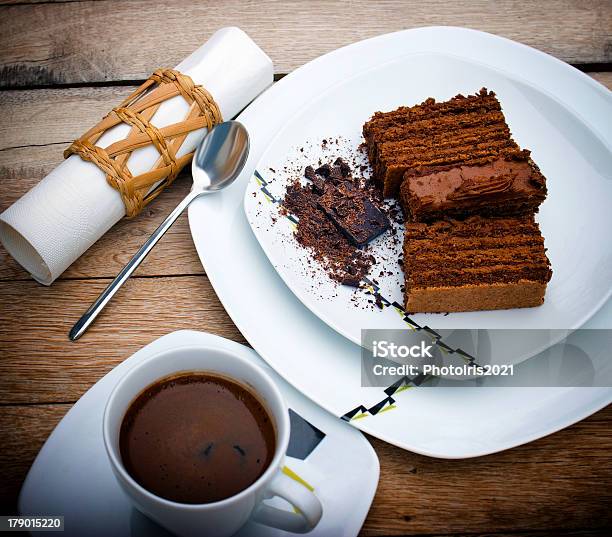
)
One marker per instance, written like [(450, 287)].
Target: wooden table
[(64, 64)]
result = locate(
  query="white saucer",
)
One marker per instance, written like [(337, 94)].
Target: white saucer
[(72, 477)]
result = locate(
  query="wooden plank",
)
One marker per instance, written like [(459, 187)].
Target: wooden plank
[(24, 430), (562, 483), (39, 117), (39, 364), (59, 43), (31, 143), (604, 78), (54, 116)]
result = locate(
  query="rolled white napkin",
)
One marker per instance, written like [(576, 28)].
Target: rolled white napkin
[(71, 208)]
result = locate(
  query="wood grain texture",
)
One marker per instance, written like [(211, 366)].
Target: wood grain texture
[(23, 430), (64, 43), (25, 2), (54, 116), (604, 78), (40, 365), (551, 485)]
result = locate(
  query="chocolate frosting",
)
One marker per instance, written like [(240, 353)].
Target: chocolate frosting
[(467, 189)]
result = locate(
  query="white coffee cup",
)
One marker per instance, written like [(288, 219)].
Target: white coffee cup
[(225, 517)]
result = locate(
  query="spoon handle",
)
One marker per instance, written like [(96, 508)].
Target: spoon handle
[(92, 312)]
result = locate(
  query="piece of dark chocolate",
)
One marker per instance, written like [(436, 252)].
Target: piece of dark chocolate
[(344, 167), (318, 182), (339, 173), (335, 175), (324, 170), (353, 213), (310, 173)]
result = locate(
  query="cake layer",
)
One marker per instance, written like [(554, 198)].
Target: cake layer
[(431, 137), (429, 109), (498, 296), (474, 264), (502, 187)]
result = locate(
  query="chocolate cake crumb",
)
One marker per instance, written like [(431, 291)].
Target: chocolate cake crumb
[(328, 239)]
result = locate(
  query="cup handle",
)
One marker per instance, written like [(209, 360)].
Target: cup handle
[(307, 507)]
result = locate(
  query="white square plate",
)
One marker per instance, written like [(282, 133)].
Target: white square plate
[(318, 361)]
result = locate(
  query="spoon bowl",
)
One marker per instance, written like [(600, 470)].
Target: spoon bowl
[(219, 159)]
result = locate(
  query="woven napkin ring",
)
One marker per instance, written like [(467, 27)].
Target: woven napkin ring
[(137, 111)]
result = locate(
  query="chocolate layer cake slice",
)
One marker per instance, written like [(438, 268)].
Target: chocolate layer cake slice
[(432, 137), (475, 264), (500, 188)]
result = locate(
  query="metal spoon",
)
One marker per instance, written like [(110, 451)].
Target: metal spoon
[(217, 162)]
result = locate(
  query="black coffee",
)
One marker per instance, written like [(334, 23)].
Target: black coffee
[(196, 438)]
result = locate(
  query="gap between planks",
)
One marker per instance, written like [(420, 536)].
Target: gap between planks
[(45, 44)]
